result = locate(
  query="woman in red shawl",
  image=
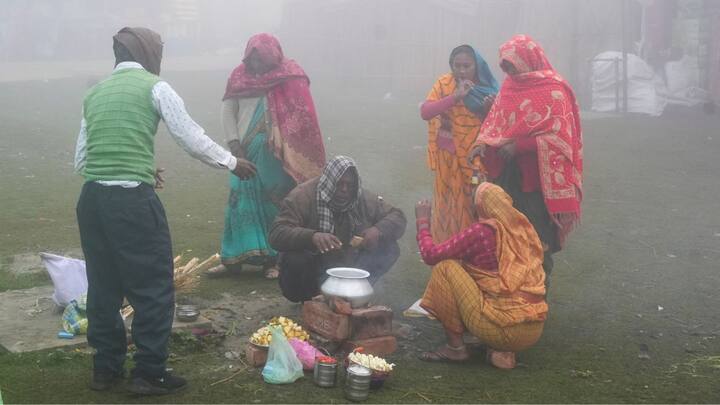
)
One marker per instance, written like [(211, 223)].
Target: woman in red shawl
[(268, 118), (531, 143)]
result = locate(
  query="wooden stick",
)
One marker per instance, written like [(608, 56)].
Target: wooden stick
[(207, 262), (226, 379), (405, 395), (126, 312), (192, 263)]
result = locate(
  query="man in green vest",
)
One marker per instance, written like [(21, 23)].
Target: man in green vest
[(123, 229)]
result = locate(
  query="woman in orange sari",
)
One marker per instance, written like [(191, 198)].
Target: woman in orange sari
[(454, 109), (531, 143), (487, 279)]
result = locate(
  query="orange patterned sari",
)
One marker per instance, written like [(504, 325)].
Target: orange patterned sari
[(452, 191)]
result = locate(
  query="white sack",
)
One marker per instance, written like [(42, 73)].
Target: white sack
[(68, 277)]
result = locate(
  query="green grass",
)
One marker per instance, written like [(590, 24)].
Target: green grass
[(647, 240)]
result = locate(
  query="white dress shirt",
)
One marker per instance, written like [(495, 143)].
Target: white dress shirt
[(186, 132)]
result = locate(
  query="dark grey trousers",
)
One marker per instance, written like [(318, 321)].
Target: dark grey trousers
[(128, 253), (302, 272)]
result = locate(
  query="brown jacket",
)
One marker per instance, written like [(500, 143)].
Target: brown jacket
[(297, 220)]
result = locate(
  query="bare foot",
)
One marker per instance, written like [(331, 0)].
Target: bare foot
[(502, 360)]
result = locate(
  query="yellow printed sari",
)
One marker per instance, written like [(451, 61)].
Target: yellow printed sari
[(453, 188)]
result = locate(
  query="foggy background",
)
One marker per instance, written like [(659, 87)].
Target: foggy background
[(395, 46)]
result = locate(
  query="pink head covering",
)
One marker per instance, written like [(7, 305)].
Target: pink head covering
[(294, 136)]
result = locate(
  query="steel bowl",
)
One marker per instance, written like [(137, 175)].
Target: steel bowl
[(187, 313), (349, 284)]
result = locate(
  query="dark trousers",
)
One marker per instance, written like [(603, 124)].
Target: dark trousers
[(532, 205), (128, 253), (302, 272)]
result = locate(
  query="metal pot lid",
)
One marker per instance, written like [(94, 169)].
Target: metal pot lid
[(359, 370)]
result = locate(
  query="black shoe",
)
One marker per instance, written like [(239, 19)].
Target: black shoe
[(104, 380), (166, 384)]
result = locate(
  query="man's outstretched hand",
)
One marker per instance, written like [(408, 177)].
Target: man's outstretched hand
[(244, 169)]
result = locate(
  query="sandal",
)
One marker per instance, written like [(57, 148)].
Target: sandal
[(218, 271), (271, 273), (438, 356)]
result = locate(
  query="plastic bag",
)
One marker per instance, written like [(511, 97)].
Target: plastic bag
[(282, 366), (305, 352), (74, 317), (68, 277)]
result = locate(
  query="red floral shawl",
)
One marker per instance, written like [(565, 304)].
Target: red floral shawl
[(538, 103), (295, 136)]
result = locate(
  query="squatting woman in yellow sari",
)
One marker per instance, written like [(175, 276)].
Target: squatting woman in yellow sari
[(487, 279)]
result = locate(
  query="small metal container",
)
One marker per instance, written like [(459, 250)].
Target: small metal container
[(325, 374), (187, 313), (357, 383)]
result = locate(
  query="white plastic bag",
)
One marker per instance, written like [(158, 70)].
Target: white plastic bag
[(68, 277), (282, 366)]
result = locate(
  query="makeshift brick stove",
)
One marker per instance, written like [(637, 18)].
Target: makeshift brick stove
[(369, 327), (337, 327), (345, 329)]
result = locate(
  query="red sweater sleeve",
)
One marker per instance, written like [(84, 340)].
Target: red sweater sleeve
[(466, 245), (431, 109)]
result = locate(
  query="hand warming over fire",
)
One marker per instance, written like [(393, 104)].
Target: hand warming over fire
[(371, 237), (325, 242)]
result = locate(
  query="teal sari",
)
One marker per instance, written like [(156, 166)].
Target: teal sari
[(253, 204)]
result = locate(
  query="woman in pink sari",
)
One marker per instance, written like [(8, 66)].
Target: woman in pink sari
[(268, 118)]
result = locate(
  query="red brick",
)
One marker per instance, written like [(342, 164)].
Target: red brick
[(319, 318), (375, 321), (340, 306), (256, 356), (379, 346)]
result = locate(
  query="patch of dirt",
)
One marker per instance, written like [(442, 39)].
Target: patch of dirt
[(238, 316)]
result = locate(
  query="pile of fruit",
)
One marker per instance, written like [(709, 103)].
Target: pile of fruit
[(372, 362), (263, 337)]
